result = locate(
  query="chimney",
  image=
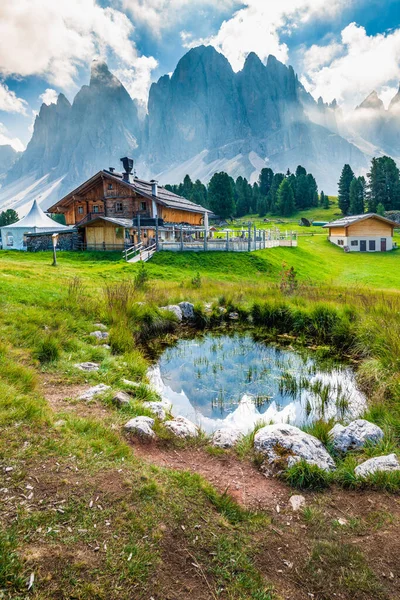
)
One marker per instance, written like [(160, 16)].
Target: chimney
[(154, 187), (111, 169), (128, 166)]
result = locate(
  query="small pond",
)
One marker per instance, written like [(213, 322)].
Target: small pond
[(235, 381)]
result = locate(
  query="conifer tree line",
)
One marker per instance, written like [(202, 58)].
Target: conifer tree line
[(377, 193), (276, 193)]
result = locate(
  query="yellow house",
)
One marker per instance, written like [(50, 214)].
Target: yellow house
[(362, 233)]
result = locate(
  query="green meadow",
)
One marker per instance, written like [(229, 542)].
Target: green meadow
[(82, 510)]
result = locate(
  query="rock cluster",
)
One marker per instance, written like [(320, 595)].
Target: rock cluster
[(184, 311), (99, 335), (182, 427), (355, 435), (226, 438), (379, 463), (94, 391), (88, 366), (141, 426), (284, 445)]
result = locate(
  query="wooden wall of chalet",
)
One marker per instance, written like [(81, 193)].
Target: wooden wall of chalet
[(111, 198), (100, 233), (171, 215), (370, 227)]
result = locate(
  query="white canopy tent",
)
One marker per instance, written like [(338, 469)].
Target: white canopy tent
[(36, 221)]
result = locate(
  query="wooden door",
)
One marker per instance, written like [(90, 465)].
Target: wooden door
[(94, 237), (363, 245), (383, 244)]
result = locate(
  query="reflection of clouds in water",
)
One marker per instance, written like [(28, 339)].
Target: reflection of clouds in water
[(206, 380)]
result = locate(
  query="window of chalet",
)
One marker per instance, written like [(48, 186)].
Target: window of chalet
[(80, 210), (110, 186), (354, 242), (340, 243), (10, 240), (143, 206), (372, 245), (119, 207), (95, 208)]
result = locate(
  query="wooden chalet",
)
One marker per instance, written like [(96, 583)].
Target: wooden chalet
[(114, 210)]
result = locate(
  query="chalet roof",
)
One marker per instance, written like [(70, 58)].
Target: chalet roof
[(140, 186), (350, 220), (35, 218)]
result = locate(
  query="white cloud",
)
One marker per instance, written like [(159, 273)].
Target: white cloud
[(49, 96), (53, 39), (360, 64), (6, 140), (137, 79), (163, 14), (257, 27), (9, 101)]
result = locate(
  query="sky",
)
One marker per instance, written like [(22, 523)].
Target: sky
[(341, 49)]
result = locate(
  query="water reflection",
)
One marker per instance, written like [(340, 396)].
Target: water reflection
[(235, 381)]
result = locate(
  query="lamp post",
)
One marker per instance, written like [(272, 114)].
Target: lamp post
[(54, 239)]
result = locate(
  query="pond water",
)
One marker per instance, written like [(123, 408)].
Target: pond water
[(234, 381)]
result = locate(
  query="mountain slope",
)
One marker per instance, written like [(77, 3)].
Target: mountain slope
[(203, 118)]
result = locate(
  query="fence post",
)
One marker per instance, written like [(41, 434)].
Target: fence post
[(156, 234), (249, 239), (181, 238), (264, 240), (255, 237), (205, 240), (227, 241)]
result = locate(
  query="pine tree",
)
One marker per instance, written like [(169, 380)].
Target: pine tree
[(326, 202), (221, 195), (273, 192), (322, 198), (8, 217), (383, 184), (300, 171), (301, 191), (285, 199), (345, 180), (380, 209), (199, 193), (265, 181), (187, 187), (357, 196)]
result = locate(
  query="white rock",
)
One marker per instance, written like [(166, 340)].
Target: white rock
[(297, 502), (182, 427), (100, 335), (160, 409), (94, 391), (226, 437), (355, 435), (187, 310), (300, 445), (174, 308), (141, 426), (121, 399), (234, 316), (100, 326), (387, 463), (88, 366)]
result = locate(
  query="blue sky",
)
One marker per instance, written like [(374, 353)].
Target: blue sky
[(340, 48)]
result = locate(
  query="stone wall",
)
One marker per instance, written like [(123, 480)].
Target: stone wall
[(67, 240)]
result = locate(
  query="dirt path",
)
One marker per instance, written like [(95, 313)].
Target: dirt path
[(240, 479)]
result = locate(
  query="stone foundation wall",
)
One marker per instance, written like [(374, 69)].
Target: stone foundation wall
[(37, 242)]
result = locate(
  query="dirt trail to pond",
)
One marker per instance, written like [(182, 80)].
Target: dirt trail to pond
[(240, 479)]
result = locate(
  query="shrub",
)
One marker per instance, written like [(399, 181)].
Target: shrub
[(196, 280), (307, 477), (142, 277), (48, 349), (121, 338)]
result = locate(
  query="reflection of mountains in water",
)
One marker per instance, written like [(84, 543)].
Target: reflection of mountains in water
[(246, 416)]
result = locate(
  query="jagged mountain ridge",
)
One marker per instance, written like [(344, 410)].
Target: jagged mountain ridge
[(202, 119)]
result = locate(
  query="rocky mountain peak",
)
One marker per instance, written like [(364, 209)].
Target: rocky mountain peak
[(372, 101), (395, 102)]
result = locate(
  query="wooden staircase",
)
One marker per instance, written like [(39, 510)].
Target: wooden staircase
[(139, 253)]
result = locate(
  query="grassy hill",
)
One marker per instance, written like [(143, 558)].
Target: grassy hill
[(88, 512)]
